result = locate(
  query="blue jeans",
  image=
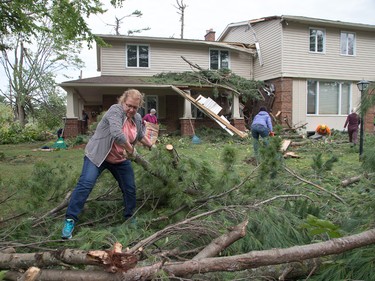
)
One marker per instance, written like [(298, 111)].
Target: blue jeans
[(124, 175), (257, 131)]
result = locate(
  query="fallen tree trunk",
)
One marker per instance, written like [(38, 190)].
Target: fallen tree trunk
[(249, 260), (351, 180)]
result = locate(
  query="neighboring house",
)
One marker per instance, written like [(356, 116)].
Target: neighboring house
[(314, 65), (131, 61)]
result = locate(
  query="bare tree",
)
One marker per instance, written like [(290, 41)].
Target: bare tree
[(181, 11), (119, 21)]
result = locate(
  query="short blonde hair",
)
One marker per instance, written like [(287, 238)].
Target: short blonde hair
[(135, 94)]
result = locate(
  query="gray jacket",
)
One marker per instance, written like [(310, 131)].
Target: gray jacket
[(109, 130)]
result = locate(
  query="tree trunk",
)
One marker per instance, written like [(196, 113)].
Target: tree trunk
[(232, 263)]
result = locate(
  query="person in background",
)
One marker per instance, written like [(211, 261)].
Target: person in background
[(321, 131), (85, 119), (150, 117), (352, 121), (111, 147), (261, 127)]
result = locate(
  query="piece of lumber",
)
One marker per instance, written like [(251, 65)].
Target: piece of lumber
[(291, 154), (210, 113), (285, 145)]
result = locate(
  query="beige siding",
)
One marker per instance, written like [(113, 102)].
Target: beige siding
[(269, 37), (167, 58), (300, 117), (299, 62), (239, 34)]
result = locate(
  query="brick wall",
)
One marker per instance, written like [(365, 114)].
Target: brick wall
[(283, 99), (239, 124), (72, 128), (186, 128)]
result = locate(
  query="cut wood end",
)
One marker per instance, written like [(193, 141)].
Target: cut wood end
[(117, 247), (169, 147)]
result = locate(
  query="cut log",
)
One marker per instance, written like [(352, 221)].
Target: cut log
[(291, 154), (31, 274), (249, 260), (349, 181), (285, 145)]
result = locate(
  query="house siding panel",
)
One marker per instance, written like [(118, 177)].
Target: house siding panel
[(269, 37), (167, 58), (299, 62)]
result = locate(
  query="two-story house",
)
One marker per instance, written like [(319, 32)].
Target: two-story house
[(132, 61), (314, 65)]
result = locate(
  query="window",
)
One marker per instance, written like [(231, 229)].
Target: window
[(219, 59), (151, 101), (137, 56), (347, 43), (328, 97), (317, 40)]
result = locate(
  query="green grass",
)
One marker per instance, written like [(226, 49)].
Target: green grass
[(34, 182)]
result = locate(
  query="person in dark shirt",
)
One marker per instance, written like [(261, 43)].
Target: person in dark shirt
[(352, 121)]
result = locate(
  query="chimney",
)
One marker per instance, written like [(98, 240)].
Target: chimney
[(210, 35)]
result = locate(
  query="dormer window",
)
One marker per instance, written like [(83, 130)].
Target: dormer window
[(219, 59), (317, 40), (137, 55)]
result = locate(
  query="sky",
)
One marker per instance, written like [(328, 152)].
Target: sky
[(162, 17)]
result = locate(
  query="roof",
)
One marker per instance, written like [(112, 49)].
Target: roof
[(299, 19)]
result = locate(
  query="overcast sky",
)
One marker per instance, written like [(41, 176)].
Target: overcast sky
[(201, 15)]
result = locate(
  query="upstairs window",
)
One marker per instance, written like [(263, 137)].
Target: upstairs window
[(328, 97), (317, 40), (219, 59), (137, 56), (347, 43)]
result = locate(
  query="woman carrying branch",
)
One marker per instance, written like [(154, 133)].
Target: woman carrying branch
[(261, 126), (111, 147)]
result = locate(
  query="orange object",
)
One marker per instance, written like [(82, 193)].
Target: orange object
[(323, 130), (272, 134)]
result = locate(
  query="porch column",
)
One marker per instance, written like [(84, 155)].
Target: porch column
[(237, 120), (72, 126), (235, 106), (186, 121), (187, 107)]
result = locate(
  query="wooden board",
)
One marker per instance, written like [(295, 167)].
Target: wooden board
[(285, 145), (209, 113)]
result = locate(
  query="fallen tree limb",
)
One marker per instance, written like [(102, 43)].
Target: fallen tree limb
[(351, 180), (222, 242), (314, 184), (249, 260)]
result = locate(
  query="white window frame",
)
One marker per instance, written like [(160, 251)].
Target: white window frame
[(219, 50), (315, 51), (138, 57), (345, 44), (339, 100)]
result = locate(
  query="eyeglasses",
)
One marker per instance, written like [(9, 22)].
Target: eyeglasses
[(131, 106)]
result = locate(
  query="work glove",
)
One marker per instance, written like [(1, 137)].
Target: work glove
[(272, 134)]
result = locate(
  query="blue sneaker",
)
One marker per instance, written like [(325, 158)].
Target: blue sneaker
[(68, 229)]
